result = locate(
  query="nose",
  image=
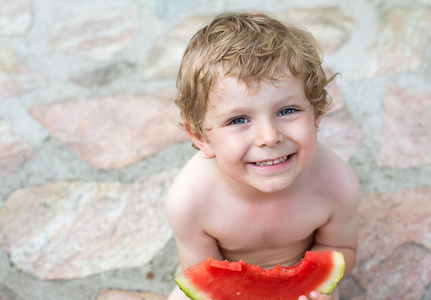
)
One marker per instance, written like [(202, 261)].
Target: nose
[(267, 134)]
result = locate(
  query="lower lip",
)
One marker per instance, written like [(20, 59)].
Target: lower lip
[(275, 167)]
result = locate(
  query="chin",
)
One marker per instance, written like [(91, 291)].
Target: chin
[(273, 188)]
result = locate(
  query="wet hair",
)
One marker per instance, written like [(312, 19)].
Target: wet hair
[(251, 47)]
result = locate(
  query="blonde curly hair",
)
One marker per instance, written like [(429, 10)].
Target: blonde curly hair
[(251, 47)]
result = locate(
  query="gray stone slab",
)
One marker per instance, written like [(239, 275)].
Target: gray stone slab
[(15, 17), (13, 150)]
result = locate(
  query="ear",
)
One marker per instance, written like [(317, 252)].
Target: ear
[(317, 122), (201, 142)]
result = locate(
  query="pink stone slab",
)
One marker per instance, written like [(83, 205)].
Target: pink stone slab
[(406, 133), (119, 295), (98, 36), (341, 133), (15, 78), (330, 25), (72, 229), (116, 131), (13, 151), (15, 17), (404, 274), (400, 42), (394, 228)]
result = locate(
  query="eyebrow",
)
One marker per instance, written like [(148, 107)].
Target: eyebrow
[(236, 111), (241, 110)]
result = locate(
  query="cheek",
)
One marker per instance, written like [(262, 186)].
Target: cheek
[(309, 145), (305, 137), (228, 148)]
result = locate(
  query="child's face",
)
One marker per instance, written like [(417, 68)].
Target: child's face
[(263, 138)]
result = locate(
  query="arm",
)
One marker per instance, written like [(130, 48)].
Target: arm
[(339, 233), (335, 237), (187, 216)]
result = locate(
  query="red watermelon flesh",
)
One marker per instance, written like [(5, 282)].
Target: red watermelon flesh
[(223, 280)]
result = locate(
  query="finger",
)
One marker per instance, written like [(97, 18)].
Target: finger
[(317, 295)]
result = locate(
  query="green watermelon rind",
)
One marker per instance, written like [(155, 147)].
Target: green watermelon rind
[(329, 285), (189, 289)]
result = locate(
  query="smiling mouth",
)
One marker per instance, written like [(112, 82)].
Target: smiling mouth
[(272, 162)]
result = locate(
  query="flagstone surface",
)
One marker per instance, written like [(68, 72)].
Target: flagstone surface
[(341, 133), (403, 37), (406, 133), (89, 141), (15, 17), (98, 35), (338, 129), (335, 94), (395, 243), (104, 75), (80, 228), (13, 150), (330, 25), (7, 294), (16, 78), (165, 61), (117, 295), (113, 132)]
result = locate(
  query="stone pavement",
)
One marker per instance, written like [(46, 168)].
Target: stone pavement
[(88, 146)]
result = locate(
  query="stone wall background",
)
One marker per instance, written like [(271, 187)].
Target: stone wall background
[(88, 145)]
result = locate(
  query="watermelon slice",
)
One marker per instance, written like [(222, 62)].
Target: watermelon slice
[(223, 280)]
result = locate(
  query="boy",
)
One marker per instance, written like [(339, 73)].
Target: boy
[(261, 188)]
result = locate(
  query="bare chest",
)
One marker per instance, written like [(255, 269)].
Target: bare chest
[(266, 234)]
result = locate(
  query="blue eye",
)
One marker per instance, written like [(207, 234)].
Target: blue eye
[(237, 121), (286, 111)]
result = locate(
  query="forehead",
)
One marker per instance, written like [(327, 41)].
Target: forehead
[(230, 85)]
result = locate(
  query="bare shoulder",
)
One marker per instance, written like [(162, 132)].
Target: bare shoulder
[(185, 197), (340, 189), (336, 177), (188, 205)]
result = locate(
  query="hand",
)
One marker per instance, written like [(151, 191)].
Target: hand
[(316, 296)]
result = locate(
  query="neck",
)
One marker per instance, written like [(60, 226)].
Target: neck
[(249, 193)]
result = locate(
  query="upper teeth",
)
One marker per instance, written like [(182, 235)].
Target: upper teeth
[(271, 162)]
